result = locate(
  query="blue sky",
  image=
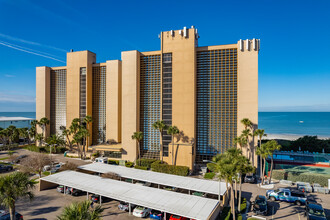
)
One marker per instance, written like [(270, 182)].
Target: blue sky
[(294, 60)]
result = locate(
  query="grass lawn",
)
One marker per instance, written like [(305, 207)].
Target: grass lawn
[(4, 158)]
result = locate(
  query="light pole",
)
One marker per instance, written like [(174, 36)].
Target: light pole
[(219, 196)]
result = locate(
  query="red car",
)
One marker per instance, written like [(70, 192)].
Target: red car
[(176, 217)]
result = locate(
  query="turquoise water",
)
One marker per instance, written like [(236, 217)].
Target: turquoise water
[(296, 123)]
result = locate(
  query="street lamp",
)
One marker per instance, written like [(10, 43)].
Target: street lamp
[(208, 161)]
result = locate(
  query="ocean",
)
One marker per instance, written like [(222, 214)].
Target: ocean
[(287, 123)]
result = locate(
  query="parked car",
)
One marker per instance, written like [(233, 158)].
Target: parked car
[(124, 206), (314, 211), (250, 178), (18, 159), (260, 206), (176, 217), (199, 194), (154, 214), (174, 189), (141, 212), (141, 183), (287, 195), (60, 189), (73, 191), (4, 168), (101, 160), (4, 215)]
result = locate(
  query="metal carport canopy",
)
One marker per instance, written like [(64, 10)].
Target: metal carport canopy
[(170, 202), (189, 183)]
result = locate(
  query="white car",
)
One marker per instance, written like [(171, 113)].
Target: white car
[(141, 212)]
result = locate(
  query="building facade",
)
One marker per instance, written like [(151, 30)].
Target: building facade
[(204, 91)]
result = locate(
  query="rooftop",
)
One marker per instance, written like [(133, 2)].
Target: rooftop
[(189, 206), (199, 185), (15, 119)]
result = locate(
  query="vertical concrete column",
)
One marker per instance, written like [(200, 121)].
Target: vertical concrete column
[(247, 88), (130, 102), (113, 102), (43, 95)]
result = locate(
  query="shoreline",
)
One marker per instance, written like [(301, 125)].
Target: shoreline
[(291, 137)]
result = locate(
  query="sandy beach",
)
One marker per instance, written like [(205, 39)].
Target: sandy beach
[(290, 137)]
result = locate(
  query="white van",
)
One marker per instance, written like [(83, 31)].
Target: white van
[(101, 160)]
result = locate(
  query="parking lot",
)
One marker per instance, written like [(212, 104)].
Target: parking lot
[(49, 204), (284, 210)]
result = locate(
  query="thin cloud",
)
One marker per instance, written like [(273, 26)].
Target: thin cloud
[(9, 76), (16, 98), (30, 42), (28, 51)]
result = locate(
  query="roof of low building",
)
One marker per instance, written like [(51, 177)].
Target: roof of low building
[(189, 206), (189, 183), (15, 119)]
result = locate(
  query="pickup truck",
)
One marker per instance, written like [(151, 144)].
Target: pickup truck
[(287, 195)]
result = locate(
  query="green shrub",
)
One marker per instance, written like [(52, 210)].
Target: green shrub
[(140, 167), (145, 162), (209, 175), (129, 164), (243, 205), (160, 167), (226, 214), (301, 177), (113, 162), (60, 150), (33, 148), (96, 154)]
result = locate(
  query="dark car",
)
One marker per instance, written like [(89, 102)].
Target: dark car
[(250, 178), (314, 211), (4, 168), (154, 214), (6, 216), (260, 206), (73, 191), (19, 158), (124, 206)]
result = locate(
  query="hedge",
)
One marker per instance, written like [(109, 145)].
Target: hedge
[(209, 175), (160, 167), (114, 162), (145, 162), (140, 167), (129, 164), (45, 149), (302, 177), (226, 214), (243, 205)]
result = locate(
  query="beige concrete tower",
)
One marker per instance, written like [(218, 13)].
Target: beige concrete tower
[(43, 95), (182, 45), (247, 89), (113, 103), (79, 64), (130, 102)]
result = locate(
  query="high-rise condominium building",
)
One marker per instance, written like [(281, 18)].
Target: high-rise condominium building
[(203, 91)]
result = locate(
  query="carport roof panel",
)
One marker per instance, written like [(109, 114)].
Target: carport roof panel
[(189, 183), (190, 206)]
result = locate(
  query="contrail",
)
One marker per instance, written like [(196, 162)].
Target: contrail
[(26, 48), (30, 42), (38, 54)]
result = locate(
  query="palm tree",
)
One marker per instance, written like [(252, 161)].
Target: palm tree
[(272, 146), (138, 136), (66, 133), (88, 119), (247, 123), (55, 140), (241, 141), (243, 166), (39, 137), (226, 167), (82, 211), (23, 132), (12, 187), (263, 152), (160, 126), (77, 139), (85, 135), (33, 129), (173, 130), (4, 135), (246, 133), (260, 133), (43, 125)]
